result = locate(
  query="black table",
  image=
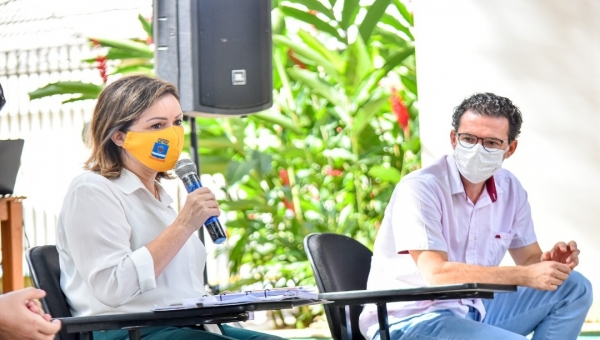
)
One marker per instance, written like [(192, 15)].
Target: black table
[(382, 297), (133, 322)]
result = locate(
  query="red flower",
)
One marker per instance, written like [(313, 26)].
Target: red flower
[(400, 111), (329, 171), (288, 205), (285, 179), (102, 67)]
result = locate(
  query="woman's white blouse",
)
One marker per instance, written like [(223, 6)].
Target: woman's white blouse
[(105, 267)]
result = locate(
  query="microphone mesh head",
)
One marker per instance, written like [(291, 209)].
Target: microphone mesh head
[(185, 167)]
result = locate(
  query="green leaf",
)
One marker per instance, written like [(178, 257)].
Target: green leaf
[(82, 97), (308, 53), (319, 86), (390, 20), (373, 16), (67, 87), (385, 174), (237, 170), (148, 69), (263, 162), (397, 58), (367, 112), (213, 164), (404, 12), (240, 205), (316, 5), (215, 143), (146, 25), (410, 82), (358, 64), (333, 57), (349, 12), (128, 45), (312, 20), (275, 117), (285, 90)]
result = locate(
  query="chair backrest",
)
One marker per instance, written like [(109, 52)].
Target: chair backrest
[(45, 274), (340, 264)]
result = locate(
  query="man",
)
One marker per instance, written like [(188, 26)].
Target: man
[(452, 222), (21, 315)]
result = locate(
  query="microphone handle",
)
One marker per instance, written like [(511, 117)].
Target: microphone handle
[(212, 224)]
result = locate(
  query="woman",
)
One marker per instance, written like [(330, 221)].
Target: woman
[(122, 247)]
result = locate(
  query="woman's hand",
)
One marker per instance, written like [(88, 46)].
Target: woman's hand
[(200, 204)]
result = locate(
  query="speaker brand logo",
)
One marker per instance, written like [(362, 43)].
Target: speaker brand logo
[(238, 77)]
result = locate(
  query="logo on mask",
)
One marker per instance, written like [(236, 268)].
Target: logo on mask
[(159, 151)]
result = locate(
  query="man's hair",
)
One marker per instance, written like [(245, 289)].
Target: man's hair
[(489, 104), (119, 105)]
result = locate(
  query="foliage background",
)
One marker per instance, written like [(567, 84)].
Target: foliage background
[(342, 132)]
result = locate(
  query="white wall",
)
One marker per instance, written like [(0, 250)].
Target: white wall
[(545, 56)]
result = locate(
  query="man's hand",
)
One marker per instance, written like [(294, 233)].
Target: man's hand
[(22, 318), (563, 253), (547, 275)]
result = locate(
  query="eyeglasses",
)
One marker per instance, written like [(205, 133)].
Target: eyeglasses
[(490, 144)]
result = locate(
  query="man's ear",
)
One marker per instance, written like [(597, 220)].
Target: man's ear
[(453, 139), (118, 137), (512, 147)]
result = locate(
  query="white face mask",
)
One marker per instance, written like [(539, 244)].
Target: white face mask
[(477, 164)]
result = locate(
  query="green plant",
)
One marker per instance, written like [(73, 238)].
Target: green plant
[(125, 56), (327, 156), (342, 132)]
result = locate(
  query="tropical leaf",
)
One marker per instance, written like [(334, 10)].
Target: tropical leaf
[(349, 12), (373, 16), (385, 174), (312, 20), (146, 25), (308, 53), (67, 87), (404, 12), (272, 116), (358, 64), (318, 6), (319, 86), (137, 48), (237, 170), (332, 56), (392, 21)]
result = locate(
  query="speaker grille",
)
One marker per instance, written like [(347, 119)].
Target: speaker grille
[(234, 53)]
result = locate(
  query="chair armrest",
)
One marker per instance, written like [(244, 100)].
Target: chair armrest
[(445, 292)]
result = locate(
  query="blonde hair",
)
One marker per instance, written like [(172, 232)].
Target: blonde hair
[(119, 105)]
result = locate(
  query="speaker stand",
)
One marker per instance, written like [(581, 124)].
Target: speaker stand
[(196, 159)]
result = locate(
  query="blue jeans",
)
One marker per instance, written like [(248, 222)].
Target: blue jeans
[(548, 314)]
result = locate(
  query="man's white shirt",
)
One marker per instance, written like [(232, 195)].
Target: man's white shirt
[(429, 210)]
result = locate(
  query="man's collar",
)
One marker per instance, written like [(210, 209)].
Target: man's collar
[(456, 184)]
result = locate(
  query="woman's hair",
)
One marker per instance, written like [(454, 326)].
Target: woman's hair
[(119, 105)]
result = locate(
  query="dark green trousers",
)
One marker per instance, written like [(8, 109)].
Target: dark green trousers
[(187, 333)]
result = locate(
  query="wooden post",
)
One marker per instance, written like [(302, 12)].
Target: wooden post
[(11, 231)]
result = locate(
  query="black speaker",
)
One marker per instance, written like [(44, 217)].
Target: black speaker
[(217, 52)]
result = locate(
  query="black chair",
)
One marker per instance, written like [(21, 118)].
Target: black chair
[(340, 264), (45, 274)]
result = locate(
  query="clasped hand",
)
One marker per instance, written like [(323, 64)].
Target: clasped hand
[(563, 253)]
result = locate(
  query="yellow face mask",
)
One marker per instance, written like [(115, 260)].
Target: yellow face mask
[(158, 150)]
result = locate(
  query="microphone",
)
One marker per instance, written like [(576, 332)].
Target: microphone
[(186, 171)]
